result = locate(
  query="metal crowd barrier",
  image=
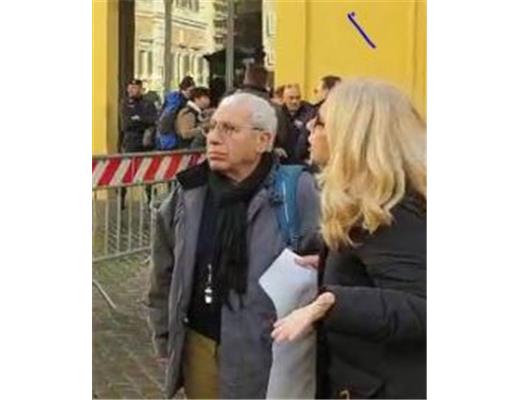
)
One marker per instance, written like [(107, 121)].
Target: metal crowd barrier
[(126, 188)]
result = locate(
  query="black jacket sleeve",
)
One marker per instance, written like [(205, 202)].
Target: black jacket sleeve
[(283, 131), (394, 308), (377, 314), (123, 124), (146, 112)]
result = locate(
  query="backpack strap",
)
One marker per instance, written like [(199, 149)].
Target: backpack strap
[(286, 188)]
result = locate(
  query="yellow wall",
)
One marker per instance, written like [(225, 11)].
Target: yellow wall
[(104, 76), (314, 38)]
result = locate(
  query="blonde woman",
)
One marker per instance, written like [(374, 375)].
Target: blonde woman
[(371, 145)]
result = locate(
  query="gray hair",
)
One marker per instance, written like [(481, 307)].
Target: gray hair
[(263, 115)]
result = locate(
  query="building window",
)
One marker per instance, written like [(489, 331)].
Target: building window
[(149, 63), (176, 70), (141, 64), (192, 5), (173, 66), (200, 70), (186, 65), (178, 67), (270, 24), (193, 67)]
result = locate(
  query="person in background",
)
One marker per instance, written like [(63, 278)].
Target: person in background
[(137, 115), (371, 144), (255, 82), (137, 122), (153, 97), (299, 113), (326, 84), (324, 87), (278, 95), (167, 138), (217, 89), (184, 92), (216, 234), (191, 124)]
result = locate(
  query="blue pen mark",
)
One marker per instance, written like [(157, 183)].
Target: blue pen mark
[(360, 30)]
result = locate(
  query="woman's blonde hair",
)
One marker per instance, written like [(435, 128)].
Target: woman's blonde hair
[(377, 144)]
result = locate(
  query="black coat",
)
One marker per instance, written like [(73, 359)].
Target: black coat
[(298, 138), (374, 337), (137, 115)]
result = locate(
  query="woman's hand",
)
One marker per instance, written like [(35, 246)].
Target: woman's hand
[(295, 325), (308, 261), (299, 322)]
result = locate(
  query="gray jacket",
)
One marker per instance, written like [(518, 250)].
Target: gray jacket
[(245, 353)]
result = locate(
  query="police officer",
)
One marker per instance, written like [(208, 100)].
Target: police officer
[(137, 115)]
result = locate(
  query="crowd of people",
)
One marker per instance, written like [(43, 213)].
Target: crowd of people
[(348, 174), (181, 121)]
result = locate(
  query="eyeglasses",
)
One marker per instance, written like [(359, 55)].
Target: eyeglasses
[(227, 129)]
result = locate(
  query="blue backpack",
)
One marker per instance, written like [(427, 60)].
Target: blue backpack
[(166, 138), (286, 190)]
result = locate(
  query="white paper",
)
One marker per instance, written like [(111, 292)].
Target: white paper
[(293, 370)]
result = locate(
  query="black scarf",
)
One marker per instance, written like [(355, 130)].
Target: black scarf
[(230, 261)]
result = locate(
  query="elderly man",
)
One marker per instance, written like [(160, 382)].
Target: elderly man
[(216, 234), (299, 113)]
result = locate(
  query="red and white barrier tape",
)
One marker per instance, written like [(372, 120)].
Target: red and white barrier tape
[(141, 169)]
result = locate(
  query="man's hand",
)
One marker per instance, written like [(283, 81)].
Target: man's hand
[(281, 153)]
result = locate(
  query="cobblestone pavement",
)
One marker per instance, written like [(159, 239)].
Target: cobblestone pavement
[(123, 361)]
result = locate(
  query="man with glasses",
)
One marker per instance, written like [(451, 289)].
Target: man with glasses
[(216, 234)]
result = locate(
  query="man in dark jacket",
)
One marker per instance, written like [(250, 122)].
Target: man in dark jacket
[(321, 92), (299, 113), (255, 82), (137, 115), (153, 97), (324, 87)]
